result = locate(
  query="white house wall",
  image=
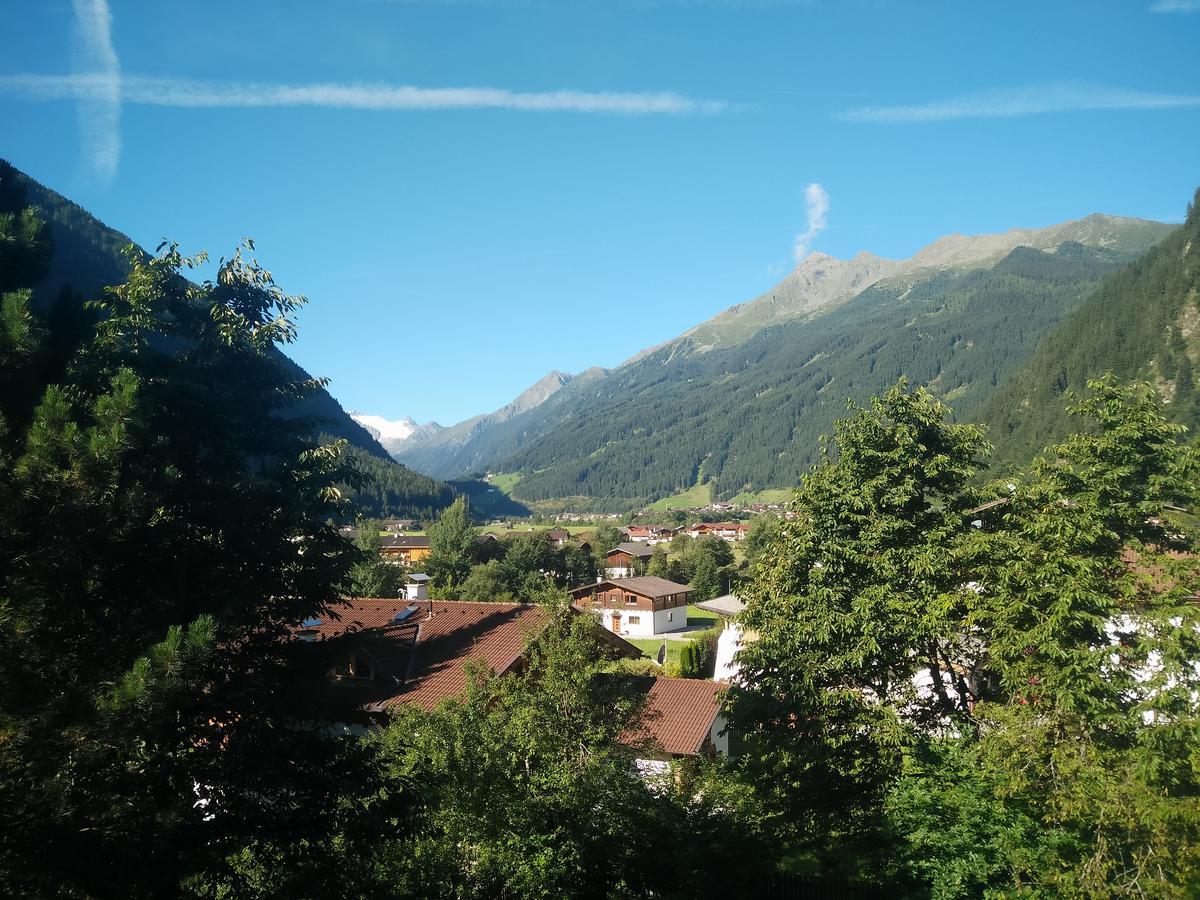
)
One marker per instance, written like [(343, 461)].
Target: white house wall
[(719, 741), (648, 624), (729, 642)]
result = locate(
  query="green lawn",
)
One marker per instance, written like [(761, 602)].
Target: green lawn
[(500, 530), (701, 616), (696, 496), (505, 481), (649, 646)]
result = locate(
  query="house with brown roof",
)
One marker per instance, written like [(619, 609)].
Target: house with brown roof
[(558, 536), (385, 653), (406, 550), (726, 531), (622, 560), (648, 534), (636, 607), (681, 718)]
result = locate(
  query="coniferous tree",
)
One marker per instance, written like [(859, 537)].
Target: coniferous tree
[(162, 527)]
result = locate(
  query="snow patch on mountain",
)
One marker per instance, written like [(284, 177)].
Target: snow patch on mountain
[(395, 433)]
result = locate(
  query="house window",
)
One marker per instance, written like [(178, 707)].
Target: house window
[(630, 599), (635, 620), (360, 669), (354, 668), (670, 615)]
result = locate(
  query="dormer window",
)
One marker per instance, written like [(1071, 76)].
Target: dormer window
[(360, 669), (356, 667)]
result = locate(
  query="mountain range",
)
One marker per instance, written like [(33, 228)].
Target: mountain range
[(737, 404), (1000, 326)]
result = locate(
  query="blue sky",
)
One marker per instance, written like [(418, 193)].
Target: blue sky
[(474, 193)]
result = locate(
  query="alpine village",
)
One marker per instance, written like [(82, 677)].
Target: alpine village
[(882, 583)]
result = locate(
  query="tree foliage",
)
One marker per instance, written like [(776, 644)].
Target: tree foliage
[(371, 576), (451, 547), (162, 526), (1030, 686), (526, 791)]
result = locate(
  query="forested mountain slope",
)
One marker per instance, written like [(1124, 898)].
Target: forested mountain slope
[(89, 255), (750, 416), (606, 438), (1143, 322)]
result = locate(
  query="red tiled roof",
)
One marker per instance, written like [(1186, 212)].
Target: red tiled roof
[(1160, 580), (493, 633), (359, 613), (678, 715), (422, 660)]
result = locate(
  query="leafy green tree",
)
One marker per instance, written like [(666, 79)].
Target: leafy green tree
[(487, 581), (859, 594), (1011, 709), (451, 547), (527, 793), (955, 831), (659, 565), (605, 538), (578, 566), (163, 525), (529, 554), (681, 545), (762, 533), (1093, 635), (372, 576), (719, 551), (706, 580)]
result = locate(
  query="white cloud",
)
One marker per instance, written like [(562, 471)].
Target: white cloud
[(179, 92), (816, 202), (100, 110), (100, 89), (1175, 6), (1061, 96), (101, 93)]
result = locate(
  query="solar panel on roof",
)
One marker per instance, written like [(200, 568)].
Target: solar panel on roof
[(405, 613)]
